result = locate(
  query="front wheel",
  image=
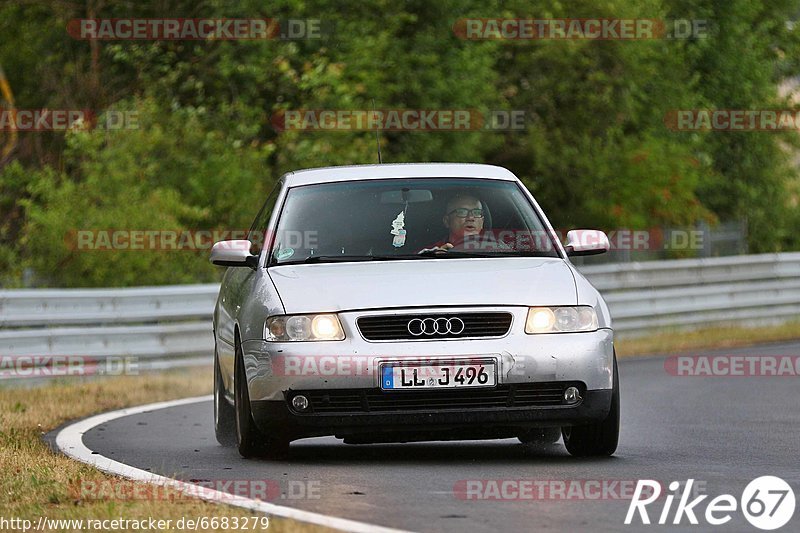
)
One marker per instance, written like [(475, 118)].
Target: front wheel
[(598, 438), (224, 412), (249, 439)]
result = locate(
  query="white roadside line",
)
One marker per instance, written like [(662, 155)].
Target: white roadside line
[(70, 441)]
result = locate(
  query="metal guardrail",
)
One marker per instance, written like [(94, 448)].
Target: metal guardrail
[(67, 307), (173, 324), (748, 290), (159, 326)]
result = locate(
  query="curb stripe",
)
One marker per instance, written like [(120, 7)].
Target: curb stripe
[(70, 442)]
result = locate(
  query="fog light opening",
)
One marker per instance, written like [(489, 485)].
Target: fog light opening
[(300, 402), (572, 395)]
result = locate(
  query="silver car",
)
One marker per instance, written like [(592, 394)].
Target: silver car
[(398, 303)]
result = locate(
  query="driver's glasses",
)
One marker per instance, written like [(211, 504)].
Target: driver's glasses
[(462, 212)]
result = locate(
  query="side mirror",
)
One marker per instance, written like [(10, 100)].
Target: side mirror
[(586, 242), (233, 254)]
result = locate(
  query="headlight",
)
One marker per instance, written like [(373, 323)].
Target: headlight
[(324, 327), (560, 319)]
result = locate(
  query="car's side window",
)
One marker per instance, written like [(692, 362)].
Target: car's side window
[(258, 231)]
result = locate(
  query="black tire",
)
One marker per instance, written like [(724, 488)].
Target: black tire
[(224, 412), (249, 439), (599, 438), (540, 436)]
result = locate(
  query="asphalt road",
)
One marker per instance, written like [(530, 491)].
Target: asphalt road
[(721, 431)]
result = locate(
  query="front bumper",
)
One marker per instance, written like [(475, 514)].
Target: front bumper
[(450, 424), (277, 370), (274, 367)]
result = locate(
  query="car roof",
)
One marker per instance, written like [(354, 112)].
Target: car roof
[(397, 170)]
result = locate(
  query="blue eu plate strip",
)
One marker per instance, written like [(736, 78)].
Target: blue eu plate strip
[(387, 377)]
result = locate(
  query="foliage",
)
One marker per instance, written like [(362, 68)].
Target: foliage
[(595, 150), (173, 174)]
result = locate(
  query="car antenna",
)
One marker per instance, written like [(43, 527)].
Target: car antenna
[(377, 139)]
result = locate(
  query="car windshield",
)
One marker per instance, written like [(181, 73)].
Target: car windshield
[(417, 218)]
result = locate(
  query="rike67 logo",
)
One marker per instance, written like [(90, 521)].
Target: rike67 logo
[(768, 503)]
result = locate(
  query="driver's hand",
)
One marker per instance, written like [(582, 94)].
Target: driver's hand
[(442, 248)]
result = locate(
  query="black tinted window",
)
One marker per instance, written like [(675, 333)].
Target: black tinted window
[(258, 230)]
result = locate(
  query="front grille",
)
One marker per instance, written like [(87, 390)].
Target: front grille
[(351, 401), (396, 327)]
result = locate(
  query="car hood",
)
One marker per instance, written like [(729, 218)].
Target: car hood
[(424, 283)]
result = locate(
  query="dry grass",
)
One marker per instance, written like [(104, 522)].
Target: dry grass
[(707, 338), (35, 482)]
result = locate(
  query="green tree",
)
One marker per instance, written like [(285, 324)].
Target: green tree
[(144, 179)]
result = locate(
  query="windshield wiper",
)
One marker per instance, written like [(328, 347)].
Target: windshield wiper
[(496, 254), (336, 258), (428, 254), (528, 253), (441, 254), (340, 259)]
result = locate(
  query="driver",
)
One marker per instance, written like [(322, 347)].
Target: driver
[(463, 218)]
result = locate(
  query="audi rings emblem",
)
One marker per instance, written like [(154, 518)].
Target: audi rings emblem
[(435, 326)]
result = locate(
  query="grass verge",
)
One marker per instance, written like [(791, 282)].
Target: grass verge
[(35, 482), (668, 342)]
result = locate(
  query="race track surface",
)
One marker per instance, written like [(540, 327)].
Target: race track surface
[(721, 431)]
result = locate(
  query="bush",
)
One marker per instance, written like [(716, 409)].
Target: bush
[(173, 173)]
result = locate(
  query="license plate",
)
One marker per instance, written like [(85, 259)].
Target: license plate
[(444, 375)]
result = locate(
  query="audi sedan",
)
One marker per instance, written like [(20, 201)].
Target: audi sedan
[(399, 303)]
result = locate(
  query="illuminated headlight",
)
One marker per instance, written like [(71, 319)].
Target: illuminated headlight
[(560, 319), (325, 327)]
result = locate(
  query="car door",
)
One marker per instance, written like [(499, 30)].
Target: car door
[(238, 284)]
